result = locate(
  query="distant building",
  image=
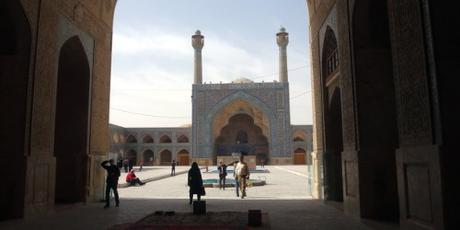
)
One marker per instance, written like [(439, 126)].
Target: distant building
[(227, 118), (159, 146)]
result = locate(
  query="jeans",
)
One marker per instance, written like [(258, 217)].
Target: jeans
[(113, 186), (222, 181), (237, 187)]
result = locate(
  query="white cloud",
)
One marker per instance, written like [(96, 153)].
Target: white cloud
[(147, 41), (162, 60)]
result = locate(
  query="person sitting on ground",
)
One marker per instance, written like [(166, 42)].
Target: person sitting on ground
[(132, 179)]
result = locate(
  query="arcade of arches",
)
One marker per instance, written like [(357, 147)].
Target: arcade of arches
[(383, 92), (176, 140)]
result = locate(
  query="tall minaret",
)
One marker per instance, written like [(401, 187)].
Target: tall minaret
[(282, 38), (198, 43)]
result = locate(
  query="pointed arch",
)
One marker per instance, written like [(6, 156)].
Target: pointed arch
[(300, 156), (165, 139), (330, 55), (131, 139), (182, 139), (165, 157), (332, 110), (299, 135), (148, 157), (132, 156), (147, 139), (266, 117), (183, 157), (72, 113)]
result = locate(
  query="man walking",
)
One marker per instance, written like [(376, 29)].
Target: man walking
[(235, 176), (113, 173), (242, 172), (222, 175)]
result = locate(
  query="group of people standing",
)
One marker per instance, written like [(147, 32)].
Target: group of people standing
[(240, 173), (194, 179)]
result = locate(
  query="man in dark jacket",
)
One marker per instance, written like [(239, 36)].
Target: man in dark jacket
[(113, 173), (173, 168)]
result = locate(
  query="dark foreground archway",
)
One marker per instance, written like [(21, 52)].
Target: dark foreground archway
[(378, 136), (14, 80)]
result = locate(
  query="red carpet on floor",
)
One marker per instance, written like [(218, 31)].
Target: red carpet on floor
[(183, 221)]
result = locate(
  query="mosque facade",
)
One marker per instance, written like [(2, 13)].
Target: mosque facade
[(240, 117)]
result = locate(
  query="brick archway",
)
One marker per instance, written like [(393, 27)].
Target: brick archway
[(132, 156), (131, 139), (165, 139), (241, 134), (300, 156), (332, 105), (183, 157), (71, 124), (165, 157), (147, 139), (148, 157), (15, 42)]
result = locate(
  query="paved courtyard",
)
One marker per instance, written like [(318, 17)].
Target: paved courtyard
[(283, 182), (285, 198)]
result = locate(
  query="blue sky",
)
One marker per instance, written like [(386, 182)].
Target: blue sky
[(152, 57)]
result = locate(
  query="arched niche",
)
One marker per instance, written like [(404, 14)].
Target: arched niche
[(183, 157), (148, 157), (147, 139), (300, 156), (241, 134), (132, 156), (131, 139), (71, 122), (182, 139), (165, 157), (332, 105)]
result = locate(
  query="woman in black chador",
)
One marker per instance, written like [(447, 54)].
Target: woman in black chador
[(195, 182)]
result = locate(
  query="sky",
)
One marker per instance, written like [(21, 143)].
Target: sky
[(152, 56)]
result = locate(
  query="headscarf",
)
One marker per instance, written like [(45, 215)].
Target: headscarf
[(194, 170)]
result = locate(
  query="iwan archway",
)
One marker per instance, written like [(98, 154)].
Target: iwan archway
[(241, 126), (242, 135)]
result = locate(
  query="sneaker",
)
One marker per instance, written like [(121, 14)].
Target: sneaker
[(117, 205), (106, 206)]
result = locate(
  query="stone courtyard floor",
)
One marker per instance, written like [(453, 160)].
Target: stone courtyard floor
[(285, 199)]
